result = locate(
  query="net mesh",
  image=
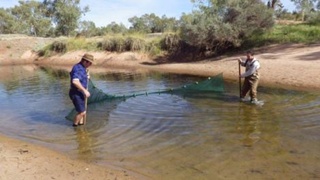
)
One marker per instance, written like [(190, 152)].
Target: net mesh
[(211, 84)]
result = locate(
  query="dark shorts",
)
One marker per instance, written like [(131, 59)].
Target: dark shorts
[(78, 100)]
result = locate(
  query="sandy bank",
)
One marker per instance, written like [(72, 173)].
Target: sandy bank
[(21, 160), (290, 66)]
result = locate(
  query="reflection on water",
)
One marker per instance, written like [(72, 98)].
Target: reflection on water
[(248, 125), (167, 136), (85, 142)]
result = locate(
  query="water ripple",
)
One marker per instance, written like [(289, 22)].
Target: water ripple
[(170, 136)]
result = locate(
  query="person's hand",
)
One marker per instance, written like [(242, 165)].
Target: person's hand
[(240, 60), (88, 74), (86, 93)]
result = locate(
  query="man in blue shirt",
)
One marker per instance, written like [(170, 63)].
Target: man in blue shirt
[(78, 87)]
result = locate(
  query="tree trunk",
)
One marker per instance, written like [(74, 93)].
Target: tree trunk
[(273, 4)]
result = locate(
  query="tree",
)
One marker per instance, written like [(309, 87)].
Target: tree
[(65, 14), (144, 24), (272, 3), (113, 27), (30, 17), (221, 24), (305, 6), (26, 18), (150, 23), (6, 22), (169, 24), (87, 28), (140, 24)]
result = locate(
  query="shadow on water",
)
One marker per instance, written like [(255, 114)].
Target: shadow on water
[(187, 135)]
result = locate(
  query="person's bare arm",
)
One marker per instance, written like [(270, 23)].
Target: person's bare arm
[(77, 83)]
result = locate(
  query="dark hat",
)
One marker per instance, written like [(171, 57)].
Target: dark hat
[(88, 57)]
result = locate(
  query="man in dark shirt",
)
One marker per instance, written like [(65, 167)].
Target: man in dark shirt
[(78, 87)]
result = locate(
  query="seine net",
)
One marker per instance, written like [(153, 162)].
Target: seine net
[(211, 84)]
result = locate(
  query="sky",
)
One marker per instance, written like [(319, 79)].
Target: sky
[(103, 12)]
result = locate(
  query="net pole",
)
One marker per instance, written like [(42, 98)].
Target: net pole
[(239, 79), (86, 101), (85, 115)]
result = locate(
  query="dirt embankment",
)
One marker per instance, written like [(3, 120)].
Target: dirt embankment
[(20, 160), (292, 66)]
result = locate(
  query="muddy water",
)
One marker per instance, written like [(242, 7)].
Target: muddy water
[(166, 136)]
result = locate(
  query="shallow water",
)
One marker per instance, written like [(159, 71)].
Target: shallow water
[(167, 136)]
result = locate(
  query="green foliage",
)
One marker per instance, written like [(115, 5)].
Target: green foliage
[(65, 14), (69, 44), (115, 28), (220, 25), (295, 33), (213, 28), (306, 7), (79, 44), (87, 29), (117, 43), (113, 44), (124, 43), (58, 47), (150, 23), (6, 22), (135, 44), (314, 17), (170, 42), (27, 18), (139, 24), (60, 17), (285, 15), (33, 15), (153, 49)]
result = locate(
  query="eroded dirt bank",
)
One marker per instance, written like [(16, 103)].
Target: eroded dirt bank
[(292, 66)]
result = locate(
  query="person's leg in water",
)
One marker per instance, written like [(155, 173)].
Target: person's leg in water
[(253, 90), (245, 89), (78, 119), (79, 104)]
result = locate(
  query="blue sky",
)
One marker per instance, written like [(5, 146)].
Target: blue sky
[(103, 12)]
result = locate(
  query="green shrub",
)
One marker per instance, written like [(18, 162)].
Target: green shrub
[(58, 47), (221, 25), (122, 44), (134, 44), (153, 49), (112, 45), (80, 43), (170, 42), (294, 33)]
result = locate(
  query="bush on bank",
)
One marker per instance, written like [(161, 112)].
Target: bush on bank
[(171, 43)]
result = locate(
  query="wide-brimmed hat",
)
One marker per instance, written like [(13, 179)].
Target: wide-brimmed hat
[(88, 57)]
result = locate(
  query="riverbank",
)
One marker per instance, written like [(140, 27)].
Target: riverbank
[(291, 66), (21, 160)]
